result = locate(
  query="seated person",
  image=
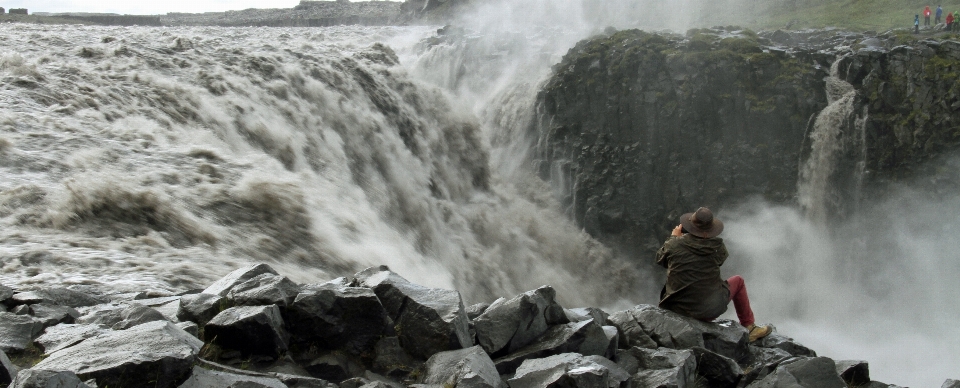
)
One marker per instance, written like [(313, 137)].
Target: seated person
[(692, 256)]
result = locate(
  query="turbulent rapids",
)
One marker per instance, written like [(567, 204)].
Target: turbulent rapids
[(162, 158)]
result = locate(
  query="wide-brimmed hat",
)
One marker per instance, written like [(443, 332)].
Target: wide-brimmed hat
[(701, 223)]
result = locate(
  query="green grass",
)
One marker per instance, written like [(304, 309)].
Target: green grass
[(857, 15)]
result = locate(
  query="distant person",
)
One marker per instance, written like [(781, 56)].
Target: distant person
[(926, 16), (692, 256), (956, 20), (939, 14), (950, 21), (916, 24)]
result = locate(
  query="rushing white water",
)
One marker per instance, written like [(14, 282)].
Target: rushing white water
[(163, 158)]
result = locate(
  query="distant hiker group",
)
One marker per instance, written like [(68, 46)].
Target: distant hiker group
[(938, 14)]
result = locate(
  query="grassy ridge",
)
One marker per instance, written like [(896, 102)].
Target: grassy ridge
[(860, 15)]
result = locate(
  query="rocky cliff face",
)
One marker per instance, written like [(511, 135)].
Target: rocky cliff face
[(637, 128)]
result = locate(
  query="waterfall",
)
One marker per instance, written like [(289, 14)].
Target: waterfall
[(831, 176)]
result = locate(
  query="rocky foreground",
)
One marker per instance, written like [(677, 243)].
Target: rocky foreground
[(256, 328)]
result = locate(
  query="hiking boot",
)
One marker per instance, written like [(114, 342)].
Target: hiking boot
[(758, 332)]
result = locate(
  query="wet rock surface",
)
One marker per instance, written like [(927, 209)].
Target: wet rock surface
[(349, 333)]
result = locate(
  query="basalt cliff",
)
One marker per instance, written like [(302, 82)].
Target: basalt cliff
[(636, 128)]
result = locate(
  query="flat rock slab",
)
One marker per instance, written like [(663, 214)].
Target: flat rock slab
[(809, 372), (205, 378), (569, 370), (334, 315), (252, 330), (586, 338), (427, 320), (17, 332), (471, 367), (509, 325), (265, 289), (56, 296), (61, 336), (223, 286), (154, 354), (107, 314), (35, 378), (53, 314)]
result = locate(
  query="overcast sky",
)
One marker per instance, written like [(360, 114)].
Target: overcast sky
[(140, 7)]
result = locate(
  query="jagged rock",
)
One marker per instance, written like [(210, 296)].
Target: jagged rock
[(473, 311), (136, 315), (205, 378), (169, 310), (107, 314), (787, 344), (252, 330), (717, 370), (391, 360), (613, 338), (951, 383), (631, 334), (5, 293), (509, 325), (8, 371), (569, 370), (37, 378), (471, 367), (265, 289), (223, 286), (585, 313), (854, 372), (189, 327), (55, 296), (199, 308), (427, 320), (662, 367), (154, 354), (23, 309), (61, 336), (334, 367), (17, 332), (293, 381), (672, 330), (52, 314), (586, 338), (806, 372), (333, 316), (763, 356)]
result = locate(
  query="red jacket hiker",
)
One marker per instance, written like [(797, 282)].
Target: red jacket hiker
[(926, 12)]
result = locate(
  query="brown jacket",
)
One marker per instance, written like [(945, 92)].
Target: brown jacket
[(694, 287)]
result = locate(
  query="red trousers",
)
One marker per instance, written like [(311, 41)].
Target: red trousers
[(738, 294)]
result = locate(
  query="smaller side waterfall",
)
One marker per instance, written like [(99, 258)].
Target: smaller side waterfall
[(831, 173)]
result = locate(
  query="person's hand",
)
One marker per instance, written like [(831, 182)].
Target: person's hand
[(677, 231)]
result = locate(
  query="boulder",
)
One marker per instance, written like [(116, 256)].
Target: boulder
[(5, 293), (23, 309), (716, 370), (854, 372), (660, 368), (951, 383), (264, 289), (199, 308), (17, 332), (169, 310), (569, 370), (467, 368), (508, 325), (52, 315), (189, 327), (8, 371), (37, 378), (135, 315), (107, 314), (56, 296), (631, 334), (61, 336), (777, 341), (586, 338), (223, 286), (672, 330), (205, 378), (252, 330), (473, 311), (585, 313), (154, 354), (391, 360), (427, 320), (807, 372), (333, 315)]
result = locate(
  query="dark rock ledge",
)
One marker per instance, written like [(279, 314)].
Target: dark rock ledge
[(256, 328)]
